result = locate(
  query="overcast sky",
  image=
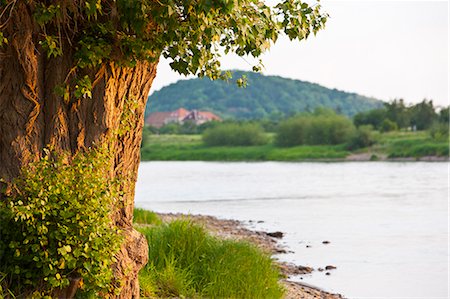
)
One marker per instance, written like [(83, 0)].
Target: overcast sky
[(383, 49)]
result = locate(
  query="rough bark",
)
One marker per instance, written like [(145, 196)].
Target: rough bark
[(33, 117)]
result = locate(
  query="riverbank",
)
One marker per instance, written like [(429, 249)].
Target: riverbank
[(267, 241), (396, 146)]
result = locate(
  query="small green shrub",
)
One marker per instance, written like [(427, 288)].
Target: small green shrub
[(185, 261), (232, 134), (388, 125), (372, 117), (363, 137), (439, 131), (55, 225), (142, 216), (292, 131)]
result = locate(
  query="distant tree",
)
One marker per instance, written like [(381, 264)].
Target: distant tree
[(188, 127), (444, 115), (373, 117), (268, 125), (324, 111), (423, 115), (308, 108), (170, 128), (440, 128), (397, 112), (207, 125), (276, 115)]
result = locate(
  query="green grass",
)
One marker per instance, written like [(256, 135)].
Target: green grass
[(141, 216), (412, 144), (191, 148), (175, 139), (185, 261)]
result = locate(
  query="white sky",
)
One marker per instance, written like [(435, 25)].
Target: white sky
[(384, 49)]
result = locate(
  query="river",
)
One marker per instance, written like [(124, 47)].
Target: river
[(387, 222)]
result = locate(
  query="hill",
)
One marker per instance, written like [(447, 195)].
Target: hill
[(264, 96)]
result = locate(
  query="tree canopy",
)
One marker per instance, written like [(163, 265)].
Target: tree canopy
[(192, 33), (396, 114)]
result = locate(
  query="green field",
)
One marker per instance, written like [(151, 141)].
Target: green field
[(191, 148)]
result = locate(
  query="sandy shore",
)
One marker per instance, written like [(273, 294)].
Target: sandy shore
[(233, 229), (360, 157)]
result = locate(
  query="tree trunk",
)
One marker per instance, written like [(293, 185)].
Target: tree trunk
[(33, 117)]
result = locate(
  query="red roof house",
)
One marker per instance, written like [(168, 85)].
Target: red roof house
[(201, 117), (157, 119), (178, 115), (181, 115)]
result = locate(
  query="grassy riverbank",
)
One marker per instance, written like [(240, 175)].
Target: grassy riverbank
[(389, 145), (411, 144), (204, 257), (186, 261)]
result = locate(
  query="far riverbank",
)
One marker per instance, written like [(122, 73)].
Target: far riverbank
[(396, 146)]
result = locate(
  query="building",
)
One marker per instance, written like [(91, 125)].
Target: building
[(181, 115), (177, 116), (201, 117)]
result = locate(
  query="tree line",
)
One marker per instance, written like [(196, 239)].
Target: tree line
[(320, 127), (397, 115)]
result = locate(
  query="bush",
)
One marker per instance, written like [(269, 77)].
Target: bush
[(439, 131), (314, 130), (388, 126), (232, 134), (444, 116), (373, 117), (184, 261), (335, 129), (56, 226), (292, 131), (363, 137)]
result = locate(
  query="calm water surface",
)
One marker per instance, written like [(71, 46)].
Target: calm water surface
[(387, 223)]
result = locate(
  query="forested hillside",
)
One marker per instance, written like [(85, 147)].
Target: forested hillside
[(264, 96)]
